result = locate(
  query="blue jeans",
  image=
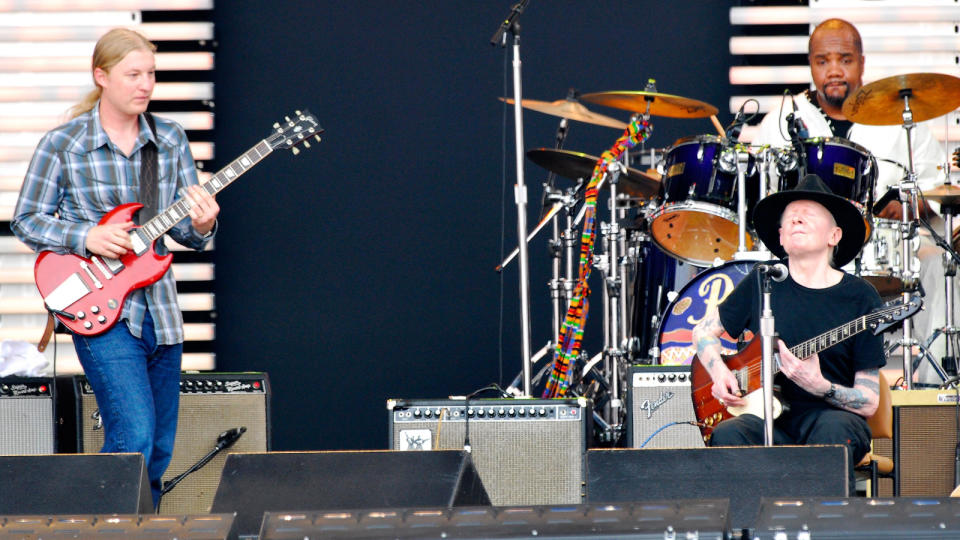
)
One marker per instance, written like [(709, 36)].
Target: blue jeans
[(137, 386)]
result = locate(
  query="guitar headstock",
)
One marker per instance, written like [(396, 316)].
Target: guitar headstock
[(896, 311), (294, 131)]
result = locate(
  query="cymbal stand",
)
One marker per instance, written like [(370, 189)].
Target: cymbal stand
[(562, 247), (612, 300), (948, 367), (908, 194)]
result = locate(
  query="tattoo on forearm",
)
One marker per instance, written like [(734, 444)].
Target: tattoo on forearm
[(870, 384), (848, 398)]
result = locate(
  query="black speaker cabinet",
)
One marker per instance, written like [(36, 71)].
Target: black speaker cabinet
[(284, 481), (742, 474), (661, 408), (858, 518), (26, 416), (126, 526), (74, 484), (527, 451), (924, 443), (210, 404), (702, 519)]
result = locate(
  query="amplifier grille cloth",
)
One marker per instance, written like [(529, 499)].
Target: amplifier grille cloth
[(27, 425), (202, 418), (519, 462)]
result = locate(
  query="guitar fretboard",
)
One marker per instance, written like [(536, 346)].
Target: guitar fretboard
[(832, 337), (164, 221)]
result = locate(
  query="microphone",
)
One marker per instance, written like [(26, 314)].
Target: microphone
[(799, 126), (776, 272), (229, 437)]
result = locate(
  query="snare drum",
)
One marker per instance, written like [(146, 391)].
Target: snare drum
[(848, 169), (880, 261), (708, 289), (698, 220)]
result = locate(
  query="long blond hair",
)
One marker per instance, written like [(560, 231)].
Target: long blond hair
[(111, 48)]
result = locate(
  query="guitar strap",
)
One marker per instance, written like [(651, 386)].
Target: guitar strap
[(149, 197), (149, 185)]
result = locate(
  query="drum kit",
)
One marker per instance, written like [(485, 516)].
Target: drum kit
[(677, 239)]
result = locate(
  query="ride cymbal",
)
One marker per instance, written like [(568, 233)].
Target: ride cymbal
[(947, 194), (880, 103), (575, 165), (660, 104), (570, 109)]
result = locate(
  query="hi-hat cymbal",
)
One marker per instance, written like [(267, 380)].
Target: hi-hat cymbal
[(579, 165), (880, 103), (948, 194), (573, 110), (660, 104)]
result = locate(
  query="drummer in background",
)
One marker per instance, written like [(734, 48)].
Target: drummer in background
[(836, 64)]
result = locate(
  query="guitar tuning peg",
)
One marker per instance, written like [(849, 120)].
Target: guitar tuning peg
[(298, 113), (276, 125), (317, 137), (287, 118), (295, 150), (306, 144)]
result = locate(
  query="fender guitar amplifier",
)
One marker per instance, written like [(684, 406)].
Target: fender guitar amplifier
[(26, 416), (526, 451), (661, 408), (924, 444), (210, 404)]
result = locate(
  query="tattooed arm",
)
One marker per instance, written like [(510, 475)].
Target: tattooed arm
[(706, 337), (862, 399)]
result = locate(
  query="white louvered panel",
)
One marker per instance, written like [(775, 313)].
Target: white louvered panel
[(70, 60), (14, 118), (94, 5), (857, 12), (9, 244), (168, 91), (41, 28), (32, 333), (23, 299)]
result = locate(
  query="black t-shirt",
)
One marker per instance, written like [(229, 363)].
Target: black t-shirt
[(840, 128), (801, 313)]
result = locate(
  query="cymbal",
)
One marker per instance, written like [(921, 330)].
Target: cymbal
[(948, 194), (660, 104), (880, 103), (573, 110), (579, 165)]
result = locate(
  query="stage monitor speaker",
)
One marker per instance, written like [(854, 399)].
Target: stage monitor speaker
[(210, 404), (650, 521), (283, 481), (74, 484), (26, 416), (527, 451), (741, 474), (924, 444), (857, 518), (660, 403), (129, 526)]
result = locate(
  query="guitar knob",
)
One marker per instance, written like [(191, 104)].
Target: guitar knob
[(81, 315), (88, 325), (101, 319), (94, 309)]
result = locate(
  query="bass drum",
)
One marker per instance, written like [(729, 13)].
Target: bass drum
[(657, 275), (708, 289)]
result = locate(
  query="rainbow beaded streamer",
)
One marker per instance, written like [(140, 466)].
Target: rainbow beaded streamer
[(571, 331)]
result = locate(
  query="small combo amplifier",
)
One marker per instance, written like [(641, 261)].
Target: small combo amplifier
[(526, 451), (924, 444), (660, 403), (26, 416), (210, 404)]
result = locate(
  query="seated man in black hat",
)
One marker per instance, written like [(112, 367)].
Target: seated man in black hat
[(829, 395)]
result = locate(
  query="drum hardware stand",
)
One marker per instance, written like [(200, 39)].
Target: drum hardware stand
[(510, 24), (947, 369), (768, 335), (908, 194), (742, 163)]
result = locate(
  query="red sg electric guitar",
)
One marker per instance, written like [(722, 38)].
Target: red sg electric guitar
[(87, 295)]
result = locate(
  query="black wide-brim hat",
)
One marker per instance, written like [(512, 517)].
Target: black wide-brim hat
[(767, 212)]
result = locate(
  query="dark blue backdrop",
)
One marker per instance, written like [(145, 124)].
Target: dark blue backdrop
[(363, 268)]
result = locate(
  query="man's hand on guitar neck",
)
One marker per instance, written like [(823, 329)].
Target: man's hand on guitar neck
[(862, 399), (109, 240), (805, 372)]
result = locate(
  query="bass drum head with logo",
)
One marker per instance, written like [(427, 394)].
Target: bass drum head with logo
[(708, 289)]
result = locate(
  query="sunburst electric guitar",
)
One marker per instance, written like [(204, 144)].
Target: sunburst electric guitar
[(87, 294), (746, 365)]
